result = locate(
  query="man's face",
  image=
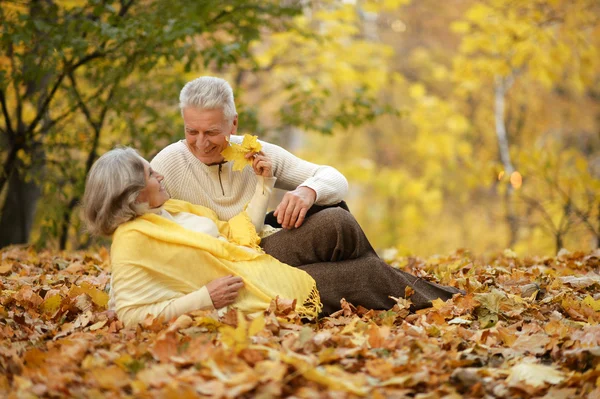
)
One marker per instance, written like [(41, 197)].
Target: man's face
[(207, 132)]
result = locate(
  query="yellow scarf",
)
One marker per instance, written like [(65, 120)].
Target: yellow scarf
[(182, 261)]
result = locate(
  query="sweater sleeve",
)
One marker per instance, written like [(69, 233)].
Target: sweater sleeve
[(257, 207), (138, 292), (292, 172), (169, 309)]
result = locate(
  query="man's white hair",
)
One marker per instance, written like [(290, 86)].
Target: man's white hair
[(208, 92)]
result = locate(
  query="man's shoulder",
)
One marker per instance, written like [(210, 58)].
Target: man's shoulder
[(170, 155)]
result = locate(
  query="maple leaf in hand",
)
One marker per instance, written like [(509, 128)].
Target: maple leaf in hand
[(236, 153)]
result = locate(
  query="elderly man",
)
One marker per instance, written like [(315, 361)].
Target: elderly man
[(327, 245), (195, 170)]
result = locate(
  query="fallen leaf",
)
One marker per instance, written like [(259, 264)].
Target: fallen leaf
[(6, 267), (100, 298), (111, 378), (52, 304), (592, 303), (535, 375)]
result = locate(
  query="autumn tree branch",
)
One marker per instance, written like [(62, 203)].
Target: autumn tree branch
[(9, 128)]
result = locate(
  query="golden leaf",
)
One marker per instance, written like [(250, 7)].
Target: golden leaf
[(535, 375), (100, 298), (438, 303), (52, 304), (323, 375), (592, 303), (236, 153), (256, 325), (6, 267)]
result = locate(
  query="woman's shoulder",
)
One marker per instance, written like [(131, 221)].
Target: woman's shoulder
[(178, 206)]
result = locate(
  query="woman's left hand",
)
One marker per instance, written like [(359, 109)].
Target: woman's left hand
[(261, 164)]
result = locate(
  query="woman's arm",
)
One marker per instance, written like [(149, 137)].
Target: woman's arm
[(257, 207), (195, 300), (217, 294)]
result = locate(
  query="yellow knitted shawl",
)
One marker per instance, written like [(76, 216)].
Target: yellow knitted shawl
[(181, 261)]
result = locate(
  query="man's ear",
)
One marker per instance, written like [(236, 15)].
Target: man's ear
[(234, 125)]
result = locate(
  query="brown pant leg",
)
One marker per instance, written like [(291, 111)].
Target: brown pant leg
[(369, 282), (328, 236)]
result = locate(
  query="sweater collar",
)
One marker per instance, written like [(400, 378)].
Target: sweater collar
[(197, 163)]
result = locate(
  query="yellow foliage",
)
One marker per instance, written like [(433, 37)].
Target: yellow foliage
[(51, 304), (239, 338), (592, 303), (237, 152), (100, 298)]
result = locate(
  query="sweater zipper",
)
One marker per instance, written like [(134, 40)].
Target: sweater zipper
[(221, 182)]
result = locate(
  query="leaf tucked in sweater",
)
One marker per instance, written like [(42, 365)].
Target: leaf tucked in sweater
[(236, 152)]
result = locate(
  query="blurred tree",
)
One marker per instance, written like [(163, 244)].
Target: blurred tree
[(323, 75), (68, 66), (511, 45), (561, 193), (484, 85)]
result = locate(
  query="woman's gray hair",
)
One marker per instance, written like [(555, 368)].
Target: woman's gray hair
[(111, 190), (208, 92)]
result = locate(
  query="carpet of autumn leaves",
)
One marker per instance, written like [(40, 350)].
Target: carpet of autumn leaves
[(528, 327)]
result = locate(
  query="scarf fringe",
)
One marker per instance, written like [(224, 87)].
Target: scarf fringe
[(311, 306)]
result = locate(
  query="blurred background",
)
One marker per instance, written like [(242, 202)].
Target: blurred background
[(459, 124)]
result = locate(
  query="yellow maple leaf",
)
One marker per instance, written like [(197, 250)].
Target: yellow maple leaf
[(52, 304), (236, 153), (592, 303), (438, 304), (100, 298), (239, 338)]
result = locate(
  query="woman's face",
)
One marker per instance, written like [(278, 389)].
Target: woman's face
[(154, 193)]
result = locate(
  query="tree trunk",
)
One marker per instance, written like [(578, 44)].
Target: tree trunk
[(511, 217), (66, 223), (559, 242), (18, 211), (501, 87)]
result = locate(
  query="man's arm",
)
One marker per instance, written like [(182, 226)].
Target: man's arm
[(308, 183)]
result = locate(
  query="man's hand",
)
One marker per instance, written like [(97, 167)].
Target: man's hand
[(291, 211), (224, 290)]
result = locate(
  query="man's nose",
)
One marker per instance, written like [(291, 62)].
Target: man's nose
[(202, 141)]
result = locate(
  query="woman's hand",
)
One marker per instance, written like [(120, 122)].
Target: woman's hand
[(261, 164), (224, 290)]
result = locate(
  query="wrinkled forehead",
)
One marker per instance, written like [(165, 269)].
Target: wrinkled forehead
[(204, 118)]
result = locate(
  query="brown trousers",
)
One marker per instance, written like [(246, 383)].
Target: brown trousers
[(333, 249)]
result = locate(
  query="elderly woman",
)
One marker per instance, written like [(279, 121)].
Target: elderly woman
[(170, 257)]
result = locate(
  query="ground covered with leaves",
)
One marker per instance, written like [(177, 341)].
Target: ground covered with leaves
[(526, 328)]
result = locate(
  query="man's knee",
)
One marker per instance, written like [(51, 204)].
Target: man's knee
[(334, 217)]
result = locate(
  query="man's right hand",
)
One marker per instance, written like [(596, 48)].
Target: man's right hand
[(224, 290)]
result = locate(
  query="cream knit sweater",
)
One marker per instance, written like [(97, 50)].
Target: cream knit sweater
[(227, 192)]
